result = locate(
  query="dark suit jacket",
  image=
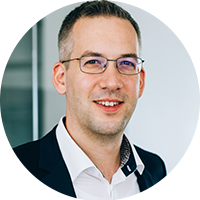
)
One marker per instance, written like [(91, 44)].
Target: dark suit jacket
[(44, 160)]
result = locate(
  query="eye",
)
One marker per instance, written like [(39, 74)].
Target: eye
[(91, 62), (127, 64)]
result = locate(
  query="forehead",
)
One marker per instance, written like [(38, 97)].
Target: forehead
[(105, 35)]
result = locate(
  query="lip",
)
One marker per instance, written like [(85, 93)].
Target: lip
[(109, 109)]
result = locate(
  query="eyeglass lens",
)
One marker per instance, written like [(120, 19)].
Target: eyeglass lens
[(96, 64)]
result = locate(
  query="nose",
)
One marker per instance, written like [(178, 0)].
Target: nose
[(111, 79)]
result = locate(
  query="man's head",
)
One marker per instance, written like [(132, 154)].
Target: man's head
[(91, 10), (100, 104)]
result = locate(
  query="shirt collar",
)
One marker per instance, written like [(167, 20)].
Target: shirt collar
[(76, 155), (130, 160)]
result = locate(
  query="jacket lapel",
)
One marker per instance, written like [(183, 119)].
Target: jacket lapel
[(145, 180), (51, 160), (59, 179)]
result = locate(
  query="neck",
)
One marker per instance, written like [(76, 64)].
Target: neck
[(103, 150)]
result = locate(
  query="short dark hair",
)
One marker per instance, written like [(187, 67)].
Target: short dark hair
[(89, 9)]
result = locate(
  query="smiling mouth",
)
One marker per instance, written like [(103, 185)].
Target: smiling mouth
[(108, 103)]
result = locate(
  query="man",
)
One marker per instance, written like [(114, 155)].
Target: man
[(87, 155)]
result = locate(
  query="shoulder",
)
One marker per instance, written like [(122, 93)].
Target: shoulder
[(32, 149), (22, 155), (18, 169), (153, 163), (26, 156), (19, 172), (149, 159)]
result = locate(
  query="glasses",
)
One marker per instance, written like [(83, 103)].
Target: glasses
[(98, 64)]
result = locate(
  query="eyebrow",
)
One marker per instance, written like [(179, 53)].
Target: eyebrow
[(91, 53), (129, 55)]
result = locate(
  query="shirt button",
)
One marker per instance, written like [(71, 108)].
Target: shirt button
[(129, 169)]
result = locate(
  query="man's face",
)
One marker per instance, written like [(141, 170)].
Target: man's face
[(112, 38)]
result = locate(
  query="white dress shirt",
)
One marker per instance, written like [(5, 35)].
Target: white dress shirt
[(89, 183)]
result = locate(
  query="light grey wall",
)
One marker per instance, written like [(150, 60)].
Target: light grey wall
[(166, 116)]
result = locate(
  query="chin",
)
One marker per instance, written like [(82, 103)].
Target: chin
[(109, 129)]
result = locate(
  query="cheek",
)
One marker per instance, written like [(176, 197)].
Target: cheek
[(79, 84), (87, 86), (133, 88)]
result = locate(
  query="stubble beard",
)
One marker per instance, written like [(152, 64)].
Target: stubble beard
[(105, 132)]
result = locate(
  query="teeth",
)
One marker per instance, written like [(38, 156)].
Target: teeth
[(107, 103)]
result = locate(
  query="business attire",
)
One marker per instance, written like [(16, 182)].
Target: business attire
[(88, 181), (57, 161)]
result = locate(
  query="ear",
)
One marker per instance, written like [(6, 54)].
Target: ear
[(142, 82), (59, 78)]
